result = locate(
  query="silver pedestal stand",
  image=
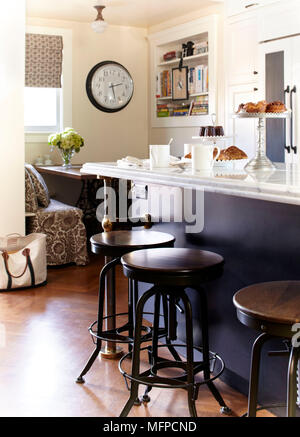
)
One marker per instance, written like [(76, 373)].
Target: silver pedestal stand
[(261, 162)]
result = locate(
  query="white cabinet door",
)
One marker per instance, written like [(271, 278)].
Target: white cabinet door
[(234, 7), (279, 20), (242, 130), (241, 51)]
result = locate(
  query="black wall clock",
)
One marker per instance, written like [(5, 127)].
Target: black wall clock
[(109, 86)]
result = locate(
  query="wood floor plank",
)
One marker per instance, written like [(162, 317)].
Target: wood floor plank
[(47, 344)]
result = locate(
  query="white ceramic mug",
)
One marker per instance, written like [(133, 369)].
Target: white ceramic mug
[(187, 149), (159, 156), (203, 156)]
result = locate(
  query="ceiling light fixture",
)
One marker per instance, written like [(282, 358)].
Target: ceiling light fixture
[(99, 25)]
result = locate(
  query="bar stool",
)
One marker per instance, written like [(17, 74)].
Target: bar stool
[(171, 271), (272, 308), (113, 245)]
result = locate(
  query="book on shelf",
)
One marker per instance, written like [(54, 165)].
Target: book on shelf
[(162, 111), (199, 106), (164, 84), (201, 84), (181, 111), (173, 110), (198, 79)]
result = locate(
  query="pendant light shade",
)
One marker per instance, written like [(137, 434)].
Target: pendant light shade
[(99, 25)]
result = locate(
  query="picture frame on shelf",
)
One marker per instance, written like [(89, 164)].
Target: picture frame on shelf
[(180, 83)]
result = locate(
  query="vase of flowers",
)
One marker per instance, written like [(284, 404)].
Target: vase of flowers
[(68, 143)]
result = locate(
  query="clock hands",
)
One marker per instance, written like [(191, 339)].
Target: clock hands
[(113, 89), (113, 85)]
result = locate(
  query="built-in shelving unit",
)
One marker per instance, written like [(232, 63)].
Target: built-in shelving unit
[(186, 59), (166, 112)]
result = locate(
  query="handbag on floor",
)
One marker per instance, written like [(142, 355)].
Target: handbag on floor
[(23, 261)]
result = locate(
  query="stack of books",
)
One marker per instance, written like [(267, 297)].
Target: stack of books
[(181, 110), (199, 106), (173, 110), (162, 110)]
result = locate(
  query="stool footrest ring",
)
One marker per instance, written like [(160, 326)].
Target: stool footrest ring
[(114, 335), (164, 382)]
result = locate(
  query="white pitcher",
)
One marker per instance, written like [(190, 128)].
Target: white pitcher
[(203, 156)]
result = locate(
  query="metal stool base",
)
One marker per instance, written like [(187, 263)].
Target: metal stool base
[(108, 354), (150, 378)]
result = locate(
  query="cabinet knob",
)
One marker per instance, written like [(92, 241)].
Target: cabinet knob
[(255, 89), (255, 72)]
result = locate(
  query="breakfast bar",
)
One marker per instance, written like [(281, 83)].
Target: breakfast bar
[(253, 221)]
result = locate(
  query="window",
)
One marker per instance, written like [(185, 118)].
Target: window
[(42, 109), (49, 110)]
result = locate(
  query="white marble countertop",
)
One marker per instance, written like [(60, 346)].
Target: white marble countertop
[(282, 185)]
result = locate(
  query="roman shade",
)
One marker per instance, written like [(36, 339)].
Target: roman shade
[(43, 67)]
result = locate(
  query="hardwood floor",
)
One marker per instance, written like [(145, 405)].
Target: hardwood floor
[(47, 344)]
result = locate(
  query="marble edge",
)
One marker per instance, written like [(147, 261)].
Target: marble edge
[(249, 189)]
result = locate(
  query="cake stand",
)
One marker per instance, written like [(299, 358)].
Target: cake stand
[(261, 162), (214, 139)]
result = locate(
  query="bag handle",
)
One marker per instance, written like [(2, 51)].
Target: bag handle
[(26, 253), (15, 233)]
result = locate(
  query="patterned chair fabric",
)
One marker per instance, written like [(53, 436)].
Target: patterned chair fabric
[(40, 186), (31, 203), (66, 234)]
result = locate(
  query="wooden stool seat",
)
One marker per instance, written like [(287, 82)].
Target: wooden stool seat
[(117, 243), (173, 267), (272, 308)]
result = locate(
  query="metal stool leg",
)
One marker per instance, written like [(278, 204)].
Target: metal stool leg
[(135, 297), (292, 382), (154, 349), (130, 312), (136, 350), (254, 373), (171, 348), (189, 355), (205, 344), (104, 271)]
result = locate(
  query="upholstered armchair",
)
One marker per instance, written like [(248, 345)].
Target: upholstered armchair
[(62, 224)]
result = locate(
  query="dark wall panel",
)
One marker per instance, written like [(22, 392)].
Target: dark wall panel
[(260, 241)]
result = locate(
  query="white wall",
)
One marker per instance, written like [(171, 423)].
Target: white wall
[(12, 49), (183, 135), (107, 136)]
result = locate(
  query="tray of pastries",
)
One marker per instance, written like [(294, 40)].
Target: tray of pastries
[(262, 109)]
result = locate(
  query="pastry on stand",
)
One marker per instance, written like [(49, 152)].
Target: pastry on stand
[(264, 110)]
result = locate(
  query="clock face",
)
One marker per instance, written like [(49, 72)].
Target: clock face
[(109, 86)]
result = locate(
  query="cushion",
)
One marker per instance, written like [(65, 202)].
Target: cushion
[(66, 234), (40, 186), (31, 203)]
